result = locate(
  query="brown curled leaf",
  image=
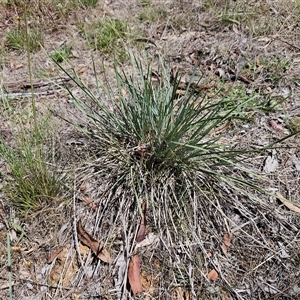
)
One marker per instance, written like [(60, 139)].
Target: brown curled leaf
[(134, 276), (93, 244)]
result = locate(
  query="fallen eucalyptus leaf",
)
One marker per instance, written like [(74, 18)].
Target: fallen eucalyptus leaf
[(134, 276), (96, 247)]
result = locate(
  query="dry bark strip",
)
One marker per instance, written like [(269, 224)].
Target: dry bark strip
[(289, 204), (21, 86), (40, 87)]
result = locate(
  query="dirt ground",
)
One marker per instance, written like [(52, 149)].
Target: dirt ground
[(241, 251)]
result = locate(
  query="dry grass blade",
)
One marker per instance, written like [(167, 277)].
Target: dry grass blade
[(292, 206), (142, 229)]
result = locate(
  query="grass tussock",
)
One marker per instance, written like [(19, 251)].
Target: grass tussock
[(160, 144), (33, 181), (17, 40), (109, 36)]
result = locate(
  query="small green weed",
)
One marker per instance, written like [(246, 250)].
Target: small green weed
[(16, 40), (62, 54), (145, 2), (246, 104), (294, 123), (236, 12), (258, 17), (297, 5)]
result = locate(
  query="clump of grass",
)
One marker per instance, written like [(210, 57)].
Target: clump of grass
[(294, 124), (272, 69), (33, 181), (109, 36), (88, 3), (152, 14), (154, 130), (179, 128), (174, 151), (17, 40)]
